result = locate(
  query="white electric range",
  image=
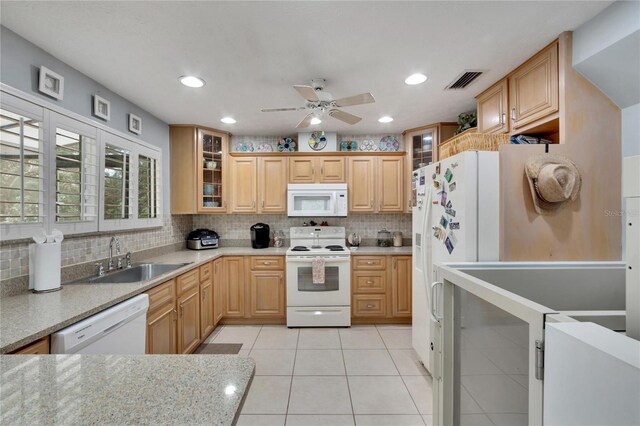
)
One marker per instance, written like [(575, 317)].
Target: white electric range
[(318, 305)]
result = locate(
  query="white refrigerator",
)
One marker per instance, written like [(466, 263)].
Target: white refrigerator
[(455, 219)]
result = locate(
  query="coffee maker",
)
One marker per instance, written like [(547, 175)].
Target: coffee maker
[(260, 236)]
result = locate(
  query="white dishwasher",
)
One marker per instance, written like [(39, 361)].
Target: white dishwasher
[(120, 329)]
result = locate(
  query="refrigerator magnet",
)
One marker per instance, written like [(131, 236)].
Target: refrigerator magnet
[(433, 176), (436, 184), (449, 205), (454, 225), (437, 169), (448, 175), (443, 198), (452, 237), (452, 187), (444, 222), (450, 212), (454, 165), (449, 245)]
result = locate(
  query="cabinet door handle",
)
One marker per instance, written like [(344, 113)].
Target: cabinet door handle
[(513, 114), (253, 204), (313, 170), (322, 170), (175, 314), (181, 311), (503, 117), (263, 204), (371, 203), (204, 293)]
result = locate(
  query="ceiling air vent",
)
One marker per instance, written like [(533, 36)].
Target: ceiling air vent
[(464, 79)]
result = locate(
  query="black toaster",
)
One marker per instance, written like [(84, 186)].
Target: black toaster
[(202, 239)]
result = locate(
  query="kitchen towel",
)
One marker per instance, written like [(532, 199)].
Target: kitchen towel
[(317, 270)]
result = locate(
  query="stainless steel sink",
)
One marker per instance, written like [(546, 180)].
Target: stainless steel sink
[(140, 272)]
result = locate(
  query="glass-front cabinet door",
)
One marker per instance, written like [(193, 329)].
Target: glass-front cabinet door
[(212, 150), (423, 147)]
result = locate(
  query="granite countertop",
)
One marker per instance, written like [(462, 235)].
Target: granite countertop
[(382, 251), (123, 389), (27, 317)]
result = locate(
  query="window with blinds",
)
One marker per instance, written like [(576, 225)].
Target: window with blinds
[(117, 170), (76, 179), (21, 169), (147, 187)]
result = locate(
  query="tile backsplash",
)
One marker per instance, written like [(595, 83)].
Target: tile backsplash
[(236, 227), (14, 255)]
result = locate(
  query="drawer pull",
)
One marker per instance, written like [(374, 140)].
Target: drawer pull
[(369, 263), (369, 305), (369, 282), (266, 263)]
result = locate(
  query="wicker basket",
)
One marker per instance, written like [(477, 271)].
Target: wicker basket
[(471, 140)]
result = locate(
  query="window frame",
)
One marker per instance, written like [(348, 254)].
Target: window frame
[(20, 230)]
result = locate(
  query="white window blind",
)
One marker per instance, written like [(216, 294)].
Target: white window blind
[(148, 187), (21, 169), (117, 185)]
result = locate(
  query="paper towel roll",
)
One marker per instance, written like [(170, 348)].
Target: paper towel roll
[(44, 267)]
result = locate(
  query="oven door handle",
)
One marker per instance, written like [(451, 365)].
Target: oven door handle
[(308, 260)]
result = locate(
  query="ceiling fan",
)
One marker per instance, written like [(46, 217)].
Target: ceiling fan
[(320, 103)]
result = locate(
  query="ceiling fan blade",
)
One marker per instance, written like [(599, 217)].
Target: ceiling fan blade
[(305, 122), (308, 93), (281, 109), (344, 116), (363, 98)]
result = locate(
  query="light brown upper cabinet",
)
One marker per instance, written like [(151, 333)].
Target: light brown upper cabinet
[(272, 177), (244, 185), (533, 88), (492, 109), (258, 185), (321, 169), (361, 184), (421, 144), (376, 184), (198, 170), (390, 184)]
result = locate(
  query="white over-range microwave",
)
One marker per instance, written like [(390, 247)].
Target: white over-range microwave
[(317, 199)]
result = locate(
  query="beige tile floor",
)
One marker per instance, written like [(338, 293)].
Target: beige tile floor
[(363, 375)]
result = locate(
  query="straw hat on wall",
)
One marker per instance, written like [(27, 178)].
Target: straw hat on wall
[(554, 181)]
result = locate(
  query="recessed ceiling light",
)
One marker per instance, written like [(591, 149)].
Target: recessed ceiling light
[(415, 79), (191, 81), (316, 120), (228, 120), (385, 119)]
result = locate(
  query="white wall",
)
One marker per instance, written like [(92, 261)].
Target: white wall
[(20, 61), (631, 130)]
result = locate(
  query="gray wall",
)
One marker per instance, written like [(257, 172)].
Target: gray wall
[(20, 61)]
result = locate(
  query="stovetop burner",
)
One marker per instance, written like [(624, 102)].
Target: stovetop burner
[(334, 248), (300, 248)]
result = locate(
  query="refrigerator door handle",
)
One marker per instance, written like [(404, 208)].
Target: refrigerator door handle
[(433, 306)]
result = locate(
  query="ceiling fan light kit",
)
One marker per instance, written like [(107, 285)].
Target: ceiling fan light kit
[(321, 103)]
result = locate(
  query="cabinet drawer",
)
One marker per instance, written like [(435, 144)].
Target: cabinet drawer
[(371, 263), (369, 282), (259, 263), (164, 293), (187, 281), (39, 347), (369, 305), (205, 272)]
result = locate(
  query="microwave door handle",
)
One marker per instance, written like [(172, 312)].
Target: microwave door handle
[(335, 203)]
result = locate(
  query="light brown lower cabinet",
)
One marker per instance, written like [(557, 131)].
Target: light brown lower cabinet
[(218, 291), (234, 269), (381, 289), (206, 309), (267, 294), (189, 321), (401, 282), (39, 347), (162, 329)]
